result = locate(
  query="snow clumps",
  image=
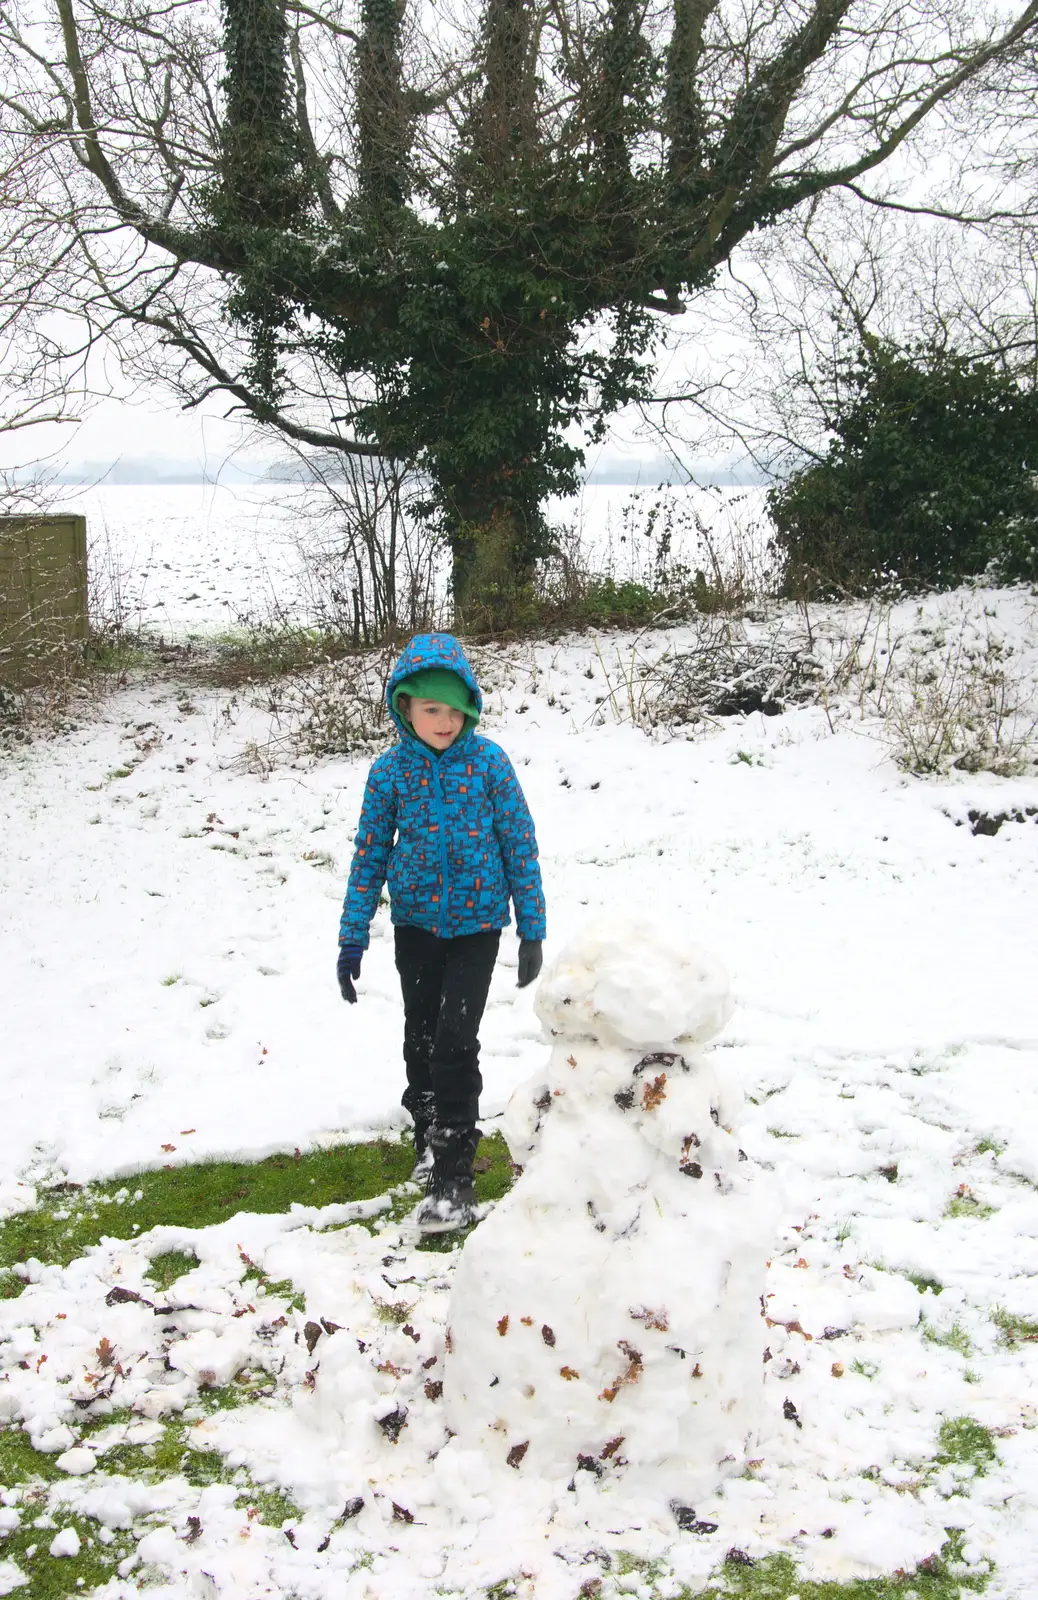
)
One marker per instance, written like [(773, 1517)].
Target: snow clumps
[(606, 1317)]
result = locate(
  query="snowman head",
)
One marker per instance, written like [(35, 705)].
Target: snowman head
[(638, 984)]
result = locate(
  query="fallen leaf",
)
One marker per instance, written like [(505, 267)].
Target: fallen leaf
[(631, 1375), (651, 1319), (790, 1327), (654, 1093)]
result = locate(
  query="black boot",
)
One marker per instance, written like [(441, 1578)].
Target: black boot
[(423, 1113), (450, 1198)]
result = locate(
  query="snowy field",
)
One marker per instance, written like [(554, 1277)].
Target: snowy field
[(198, 559), (167, 961), (194, 558)]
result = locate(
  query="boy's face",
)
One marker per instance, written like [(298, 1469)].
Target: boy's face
[(435, 724)]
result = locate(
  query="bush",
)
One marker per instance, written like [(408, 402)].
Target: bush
[(930, 478)]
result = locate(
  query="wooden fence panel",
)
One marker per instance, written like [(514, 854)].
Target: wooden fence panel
[(43, 594)]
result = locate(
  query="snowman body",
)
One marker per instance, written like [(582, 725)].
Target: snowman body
[(607, 1315)]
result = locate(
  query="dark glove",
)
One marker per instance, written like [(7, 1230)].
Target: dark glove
[(347, 969), (531, 960)]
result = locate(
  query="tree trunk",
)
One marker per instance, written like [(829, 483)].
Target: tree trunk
[(493, 561)]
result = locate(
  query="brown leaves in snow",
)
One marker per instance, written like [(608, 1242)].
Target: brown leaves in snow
[(654, 1093)]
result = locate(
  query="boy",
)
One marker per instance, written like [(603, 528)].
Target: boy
[(445, 825)]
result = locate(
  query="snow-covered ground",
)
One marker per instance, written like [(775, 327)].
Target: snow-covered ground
[(193, 558), (167, 959)]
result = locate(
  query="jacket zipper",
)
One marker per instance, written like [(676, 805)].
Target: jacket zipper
[(441, 819)]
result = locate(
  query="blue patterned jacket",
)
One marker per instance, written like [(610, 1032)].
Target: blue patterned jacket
[(450, 833)]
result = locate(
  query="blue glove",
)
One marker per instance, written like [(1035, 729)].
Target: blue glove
[(347, 970), (531, 959)]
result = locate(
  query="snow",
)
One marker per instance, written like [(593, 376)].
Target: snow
[(194, 558), (65, 1543), (77, 1462), (168, 995)]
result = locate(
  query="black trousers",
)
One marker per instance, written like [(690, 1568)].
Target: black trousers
[(445, 983)]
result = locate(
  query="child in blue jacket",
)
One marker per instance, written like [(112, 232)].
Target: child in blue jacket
[(445, 825)]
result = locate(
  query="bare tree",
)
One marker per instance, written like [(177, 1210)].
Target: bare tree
[(758, 373), (38, 384), (452, 240)]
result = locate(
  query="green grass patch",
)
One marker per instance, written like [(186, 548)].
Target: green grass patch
[(20, 1463), (70, 1219), (171, 1456), (272, 1506), (397, 1311), (967, 1205), (494, 1171), (922, 1283), (961, 1441), (165, 1269), (54, 1577), (940, 1577), (117, 652), (1014, 1330), (953, 1338)]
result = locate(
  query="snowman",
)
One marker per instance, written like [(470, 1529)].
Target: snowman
[(607, 1315)]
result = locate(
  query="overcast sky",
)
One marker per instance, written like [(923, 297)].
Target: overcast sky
[(203, 441)]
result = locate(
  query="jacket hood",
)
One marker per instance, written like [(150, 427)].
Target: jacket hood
[(427, 650)]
